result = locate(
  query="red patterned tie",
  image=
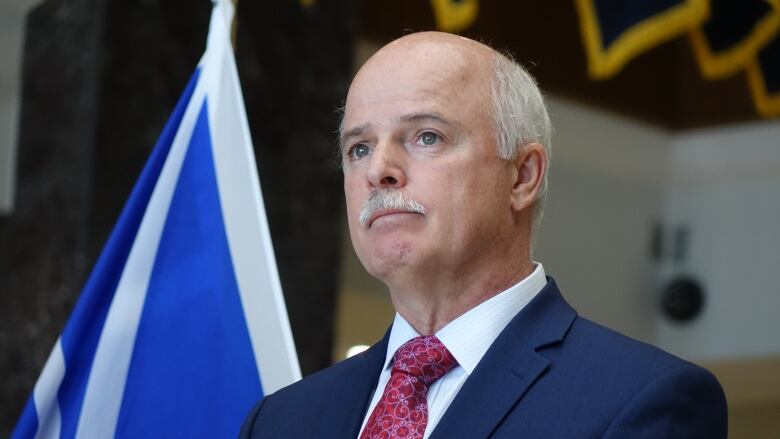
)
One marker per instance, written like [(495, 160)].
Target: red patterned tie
[(402, 412)]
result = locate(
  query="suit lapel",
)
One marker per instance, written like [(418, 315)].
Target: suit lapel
[(352, 391), (509, 368), (490, 392)]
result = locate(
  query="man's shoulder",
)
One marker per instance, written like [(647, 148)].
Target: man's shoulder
[(304, 407), (587, 344), (291, 408), (593, 342), (601, 364), (597, 382), (608, 363), (320, 387), (635, 383)]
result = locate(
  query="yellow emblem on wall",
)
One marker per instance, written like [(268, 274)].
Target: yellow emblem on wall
[(454, 15)]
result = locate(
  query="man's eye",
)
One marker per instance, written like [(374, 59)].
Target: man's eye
[(428, 138), (359, 151)]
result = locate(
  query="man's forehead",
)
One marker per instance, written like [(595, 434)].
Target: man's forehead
[(424, 69), (443, 40), (432, 51), (371, 109)]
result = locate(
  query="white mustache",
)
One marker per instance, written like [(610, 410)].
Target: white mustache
[(387, 199)]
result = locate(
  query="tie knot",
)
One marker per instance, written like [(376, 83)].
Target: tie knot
[(424, 357)]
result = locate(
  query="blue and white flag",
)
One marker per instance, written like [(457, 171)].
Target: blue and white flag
[(181, 326)]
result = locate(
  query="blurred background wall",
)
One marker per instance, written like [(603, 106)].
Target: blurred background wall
[(656, 173)]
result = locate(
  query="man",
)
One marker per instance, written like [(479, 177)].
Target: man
[(445, 147)]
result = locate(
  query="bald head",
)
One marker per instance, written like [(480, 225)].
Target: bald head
[(461, 61), (440, 60), (455, 50)]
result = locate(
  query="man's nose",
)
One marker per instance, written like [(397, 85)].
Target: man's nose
[(387, 167)]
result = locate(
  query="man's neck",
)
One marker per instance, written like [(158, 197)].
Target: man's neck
[(431, 304)]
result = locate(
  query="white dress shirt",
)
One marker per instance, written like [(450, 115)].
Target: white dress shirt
[(468, 338)]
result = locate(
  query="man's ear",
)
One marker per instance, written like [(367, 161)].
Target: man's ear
[(530, 166)]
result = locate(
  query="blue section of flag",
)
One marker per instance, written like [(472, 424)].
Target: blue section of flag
[(81, 334), (28, 422), (193, 370)]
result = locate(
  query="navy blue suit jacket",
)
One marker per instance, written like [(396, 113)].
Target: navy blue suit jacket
[(549, 374)]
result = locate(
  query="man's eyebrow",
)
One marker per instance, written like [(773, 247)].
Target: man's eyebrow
[(352, 132), (416, 117)]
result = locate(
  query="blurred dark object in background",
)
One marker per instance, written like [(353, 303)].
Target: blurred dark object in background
[(682, 299)]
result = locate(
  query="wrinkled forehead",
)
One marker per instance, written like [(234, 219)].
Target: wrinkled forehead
[(452, 70)]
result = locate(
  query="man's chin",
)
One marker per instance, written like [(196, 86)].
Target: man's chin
[(388, 259)]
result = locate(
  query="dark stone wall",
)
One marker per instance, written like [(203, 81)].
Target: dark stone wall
[(44, 255), (100, 78)]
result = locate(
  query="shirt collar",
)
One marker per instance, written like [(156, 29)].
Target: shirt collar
[(469, 336)]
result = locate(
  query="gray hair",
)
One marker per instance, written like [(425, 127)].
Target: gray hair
[(520, 116)]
